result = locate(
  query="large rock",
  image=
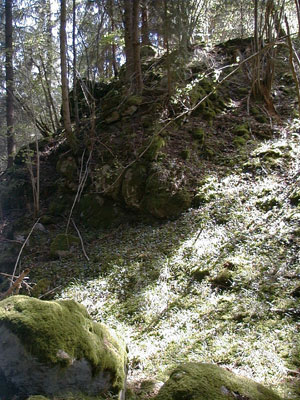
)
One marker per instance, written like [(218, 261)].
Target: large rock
[(196, 381), (53, 348), (133, 185), (165, 193)]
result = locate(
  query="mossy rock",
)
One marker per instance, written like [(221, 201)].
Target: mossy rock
[(108, 180), (199, 134), (134, 100), (15, 189), (99, 212), (208, 114), (241, 130), (62, 244), (60, 204), (185, 154), (152, 147), (37, 397), (110, 102), (67, 167), (133, 185), (113, 117), (162, 199), (128, 111), (239, 141), (41, 287), (196, 381), (54, 348)]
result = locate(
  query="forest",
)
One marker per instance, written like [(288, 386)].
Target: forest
[(150, 200)]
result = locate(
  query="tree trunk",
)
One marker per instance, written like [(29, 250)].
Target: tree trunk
[(132, 45), (138, 81), (145, 27), (113, 46), (64, 78), (167, 47), (298, 15), (9, 79), (75, 96), (128, 40)]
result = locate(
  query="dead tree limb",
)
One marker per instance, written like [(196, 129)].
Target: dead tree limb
[(15, 285)]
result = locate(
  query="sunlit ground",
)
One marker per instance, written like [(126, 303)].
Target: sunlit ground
[(214, 286)]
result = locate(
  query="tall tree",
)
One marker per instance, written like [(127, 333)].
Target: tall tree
[(145, 25), (132, 45), (64, 77), (9, 78)]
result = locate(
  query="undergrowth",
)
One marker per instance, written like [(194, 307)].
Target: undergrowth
[(217, 285)]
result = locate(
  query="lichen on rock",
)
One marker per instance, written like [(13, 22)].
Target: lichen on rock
[(197, 381)]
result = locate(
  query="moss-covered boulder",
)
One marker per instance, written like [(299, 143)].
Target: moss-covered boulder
[(67, 167), (99, 212), (53, 348), (196, 381), (107, 180), (165, 194), (133, 185), (62, 243)]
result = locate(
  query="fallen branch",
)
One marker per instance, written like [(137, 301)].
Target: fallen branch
[(49, 292), (81, 240), (15, 285)]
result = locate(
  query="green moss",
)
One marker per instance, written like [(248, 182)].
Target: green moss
[(199, 134), (295, 198), (223, 280), (67, 167), (163, 204), (48, 328), (197, 381), (185, 154), (133, 185), (268, 203), (239, 141), (37, 397), (241, 130), (113, 117), (62, 243), (269, 154), (41, 287), (152, 147), (200, 274), (208, 114), (97, 211), (134, 100), (59, 205), (46, 220)]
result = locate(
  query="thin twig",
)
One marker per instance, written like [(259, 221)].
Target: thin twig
[(81, 240), (49, 292), (22, 248), (15, 284), (82, 180)]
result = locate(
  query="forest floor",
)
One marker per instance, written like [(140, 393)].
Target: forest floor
[(220, 284)]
